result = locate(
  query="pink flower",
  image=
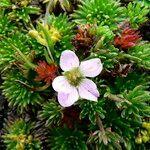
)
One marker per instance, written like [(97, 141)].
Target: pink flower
[(74, 84)]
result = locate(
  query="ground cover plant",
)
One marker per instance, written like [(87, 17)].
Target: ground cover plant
[(74, 75)]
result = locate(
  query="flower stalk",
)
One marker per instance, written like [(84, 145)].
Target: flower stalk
[(38, 89), (50, 45)]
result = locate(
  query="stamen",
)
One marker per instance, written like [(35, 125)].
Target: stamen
[(74, 76)]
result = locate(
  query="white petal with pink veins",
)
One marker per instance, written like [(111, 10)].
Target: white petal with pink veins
[(60, 84), (88, 90), (68, 99), (68, 60), (91, 68)]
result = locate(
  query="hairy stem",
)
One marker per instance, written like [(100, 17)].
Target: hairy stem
[(114, 97), (32, 88), (99, 123)]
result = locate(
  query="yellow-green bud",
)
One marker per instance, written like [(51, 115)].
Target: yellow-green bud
[(33, 33), (20, 146), (145, 138), (138, 140), (29, 140), (55, 35), (21, 138), (146, 125), (41, 40), (14, 6)]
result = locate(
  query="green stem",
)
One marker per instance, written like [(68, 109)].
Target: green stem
[(50, 54), (122, 55), (50, 46), (49, 61), (42, 88), (23, 57)]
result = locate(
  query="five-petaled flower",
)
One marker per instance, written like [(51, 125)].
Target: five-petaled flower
[(46, 72), (73, 83), (128, 38)]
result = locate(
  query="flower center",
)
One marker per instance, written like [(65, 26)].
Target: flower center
[(74, 76)]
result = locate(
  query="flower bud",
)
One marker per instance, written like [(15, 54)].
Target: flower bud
[(146, 125), (145, 138), (138, 140), (55, 35), (33, 33)]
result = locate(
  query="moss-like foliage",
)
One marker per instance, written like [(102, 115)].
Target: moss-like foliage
[(104, 12), (105, 140), (64, 27), (141, 52), (51, 112), (90, 109), (19, 10), (135, 103), (133, 15), (5, 3), (38, 41), (20, 41), (66, 139), (19, 136), (17, 94), (6, 26)]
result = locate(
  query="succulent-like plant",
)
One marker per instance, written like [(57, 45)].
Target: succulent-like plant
[(132, 103), (17, 94), (19, 135), (66, 139), (18, 43), (90, 109), (104, 12), (5, 3), (51, 112), (23, 13), (140, 54), (135, 103), (132, 13), (129, 82), (6, 26), (65, 28), (105, 140)]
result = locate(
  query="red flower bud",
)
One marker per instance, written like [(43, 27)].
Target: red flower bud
[(46, 72), (128, 38)]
